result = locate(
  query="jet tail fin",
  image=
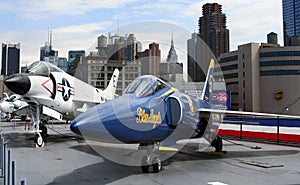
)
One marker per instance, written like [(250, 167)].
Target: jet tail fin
[(110, 90), (207, 91)]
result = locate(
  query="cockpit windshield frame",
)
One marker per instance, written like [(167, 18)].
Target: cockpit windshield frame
[(42, 68), (145, 86)]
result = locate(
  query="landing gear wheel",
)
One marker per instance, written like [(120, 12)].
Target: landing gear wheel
[(145, 165), (218, 144), (39, 141), (44, 130), (151, 160), (157, 165)]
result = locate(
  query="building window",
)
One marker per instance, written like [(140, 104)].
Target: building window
[(280, 63), (229, 59), (109, 68), (279, 72), (231, 83), (227, 68), (229, 76), (279, 54)]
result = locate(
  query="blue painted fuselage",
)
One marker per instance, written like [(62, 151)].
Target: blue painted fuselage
[(144, 114)]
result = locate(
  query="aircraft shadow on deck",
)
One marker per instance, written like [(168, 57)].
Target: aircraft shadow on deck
[(26, 139), (100, 173), (187, 155), (108, 171)]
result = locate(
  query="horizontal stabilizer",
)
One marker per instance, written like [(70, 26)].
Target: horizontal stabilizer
[(246, 114)]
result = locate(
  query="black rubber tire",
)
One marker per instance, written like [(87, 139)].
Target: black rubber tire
[(157, 165), (145, 165), (145, 169), (39, 141), (218, 144), (44, 130)]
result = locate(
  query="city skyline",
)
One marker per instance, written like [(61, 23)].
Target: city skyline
[(76, 24)]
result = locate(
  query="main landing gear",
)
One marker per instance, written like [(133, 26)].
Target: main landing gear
[(217, 144), (41, 135), (38, 140), (151, 161), (205, 130), (40, 129)]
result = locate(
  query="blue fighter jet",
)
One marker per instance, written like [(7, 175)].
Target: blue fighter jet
[(149, 113)]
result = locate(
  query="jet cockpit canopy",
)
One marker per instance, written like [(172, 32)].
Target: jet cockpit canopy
[(42, 68), (145, 86)]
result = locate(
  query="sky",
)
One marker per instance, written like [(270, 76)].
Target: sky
[(76, 24)]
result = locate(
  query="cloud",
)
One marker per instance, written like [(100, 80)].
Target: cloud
[(84, 28), (32, 9), (30, 43), (77, 37)]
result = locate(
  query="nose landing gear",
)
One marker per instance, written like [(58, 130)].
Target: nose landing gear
[(151, 161)]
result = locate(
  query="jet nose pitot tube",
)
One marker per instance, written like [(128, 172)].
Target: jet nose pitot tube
[(18, 83)]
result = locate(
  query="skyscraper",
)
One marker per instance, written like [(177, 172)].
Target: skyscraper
[(10, 59), (291, 22), (73, 54), (212, 28), (47, 53), (172, 56), (121, 48), (195, 73), (150, 60), (171, 70)]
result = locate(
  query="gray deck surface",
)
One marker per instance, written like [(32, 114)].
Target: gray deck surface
[(64, 160)]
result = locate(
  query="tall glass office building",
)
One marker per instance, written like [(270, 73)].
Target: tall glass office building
[(10, 59), (291, 22)]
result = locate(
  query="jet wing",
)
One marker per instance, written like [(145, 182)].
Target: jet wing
[(21, 110), (86, 93), (246, 114), (37, 98)]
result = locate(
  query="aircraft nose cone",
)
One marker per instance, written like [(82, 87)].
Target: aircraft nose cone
[(75, 127), (93, 123), (18, 83), (85, 122)]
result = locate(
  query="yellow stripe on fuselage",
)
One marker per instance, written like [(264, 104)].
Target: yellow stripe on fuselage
[(172, 89)]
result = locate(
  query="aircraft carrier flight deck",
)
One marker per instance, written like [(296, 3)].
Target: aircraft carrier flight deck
[(66, 160)]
